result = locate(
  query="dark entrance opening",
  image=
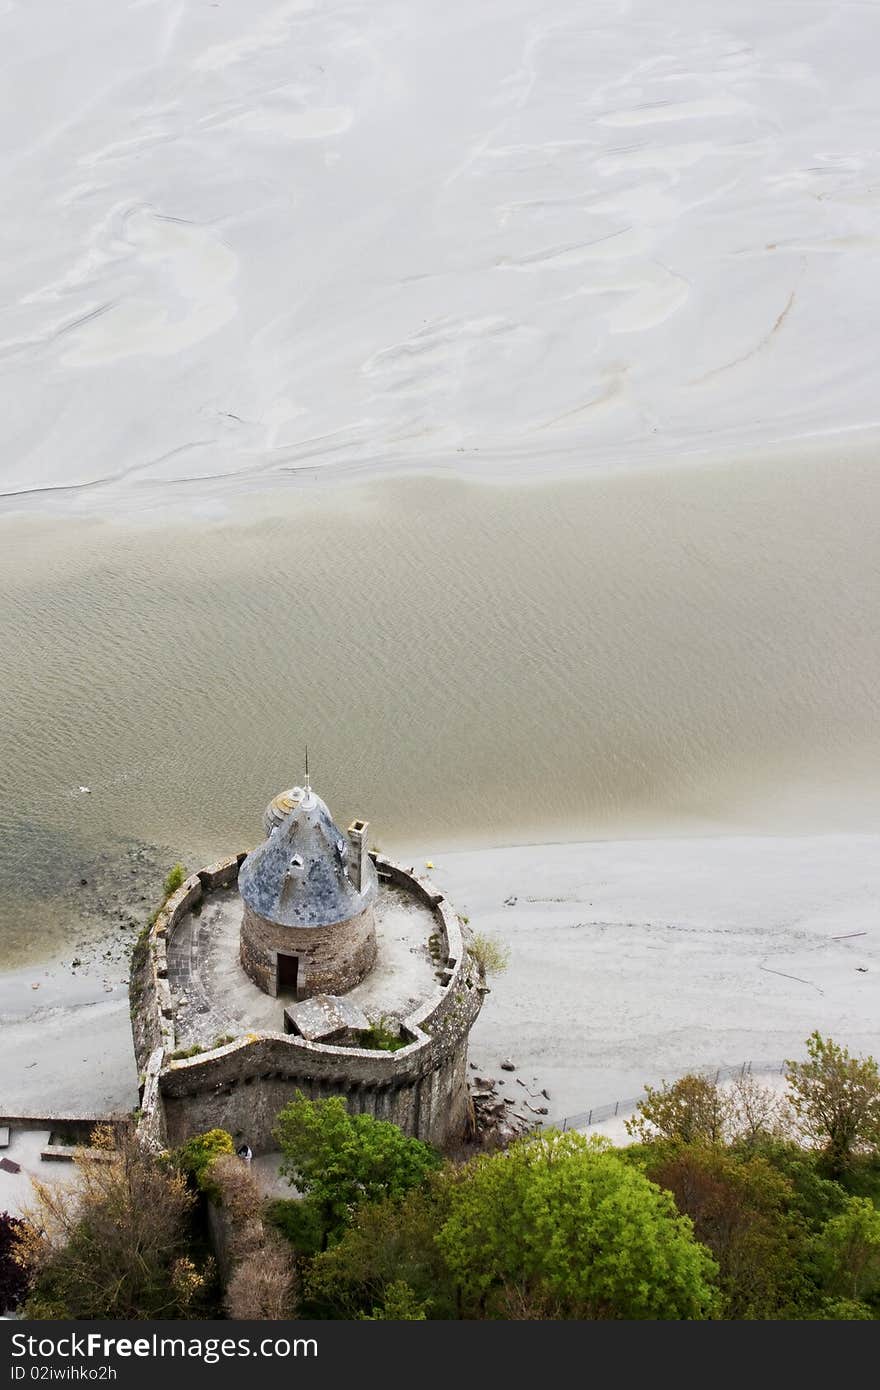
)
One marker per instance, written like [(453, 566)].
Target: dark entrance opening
[(288, 971)]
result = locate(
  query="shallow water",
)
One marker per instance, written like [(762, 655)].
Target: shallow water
[(632, 655)]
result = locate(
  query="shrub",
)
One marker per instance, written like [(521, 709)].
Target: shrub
[(263, 1284), (382, 1034), (389, 1244), (490, 955), (835, 1099), (196, 1158), (173, 879), (560, 1226), (118, 1244), (298, 1222), (338, 1160)]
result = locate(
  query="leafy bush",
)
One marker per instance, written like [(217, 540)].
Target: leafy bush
[(173, 879), (118, 1244), (560, 1226), (298, 1222), (196, 1158), (389, 1244), (836, 1102), (338, 1160)]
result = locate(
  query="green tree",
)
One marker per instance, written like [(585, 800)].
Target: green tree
[(559, 1226), (814, 1196), (401, 1305), (835, 1099), (337, 1160), (388, 1243), (848, 1253), (688, 1111), (745, 1213)]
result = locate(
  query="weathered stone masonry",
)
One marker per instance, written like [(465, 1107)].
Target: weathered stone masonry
[(242, 1086), (330, 962)]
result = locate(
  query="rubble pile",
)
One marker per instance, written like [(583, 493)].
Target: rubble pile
[(499, 1117)]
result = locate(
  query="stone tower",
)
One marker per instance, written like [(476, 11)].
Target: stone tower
[(308, 892)]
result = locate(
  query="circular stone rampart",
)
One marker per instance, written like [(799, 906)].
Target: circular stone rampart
[(241, 1086)]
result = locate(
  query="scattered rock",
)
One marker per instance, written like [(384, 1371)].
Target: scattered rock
[(84, 883), (507, 1065)]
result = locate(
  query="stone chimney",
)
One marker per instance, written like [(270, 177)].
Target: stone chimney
[(357, 835)]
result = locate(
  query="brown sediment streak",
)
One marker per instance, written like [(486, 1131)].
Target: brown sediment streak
[(716, 371)]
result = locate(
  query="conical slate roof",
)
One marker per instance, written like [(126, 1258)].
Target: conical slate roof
[(298, 876)]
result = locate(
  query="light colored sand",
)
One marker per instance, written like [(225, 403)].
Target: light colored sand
[(66, 1047), (630, 961), (634, 961), (246, 241), (16, 1189)]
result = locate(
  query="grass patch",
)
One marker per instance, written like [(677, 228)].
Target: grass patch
[(381, 1036), (490, 955)]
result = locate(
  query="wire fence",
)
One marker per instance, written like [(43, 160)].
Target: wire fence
[(599, 1113)]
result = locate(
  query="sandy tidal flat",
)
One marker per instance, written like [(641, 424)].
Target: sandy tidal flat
[(629, 962), (633, 962), (246, 242)]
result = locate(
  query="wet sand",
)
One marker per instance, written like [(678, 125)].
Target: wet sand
[(677, 653)]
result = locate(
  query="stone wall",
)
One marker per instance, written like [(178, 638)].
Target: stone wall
[(152, 1013), (332, 959), (241, 1087)]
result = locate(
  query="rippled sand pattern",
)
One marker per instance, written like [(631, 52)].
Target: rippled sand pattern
[(251, 239), (689, 650)]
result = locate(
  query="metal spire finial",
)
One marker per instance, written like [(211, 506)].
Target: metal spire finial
[(308, 783)]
